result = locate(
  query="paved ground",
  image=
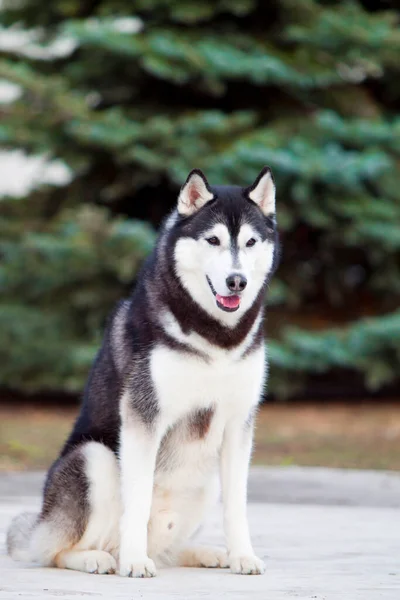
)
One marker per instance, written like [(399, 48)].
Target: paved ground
[(325, 535)]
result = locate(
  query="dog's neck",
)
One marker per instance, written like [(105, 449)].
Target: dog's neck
[(173, 298)]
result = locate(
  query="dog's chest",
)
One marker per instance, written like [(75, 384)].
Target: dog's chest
[(226, 382), (196, 399)]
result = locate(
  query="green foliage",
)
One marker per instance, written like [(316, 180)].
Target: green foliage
[(58, 284), (146, 90), (370, 346)]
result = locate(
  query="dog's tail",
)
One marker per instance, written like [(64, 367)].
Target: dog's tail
[(19, 536)]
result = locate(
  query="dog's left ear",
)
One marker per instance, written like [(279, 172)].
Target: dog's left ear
[(262, 192), (194, 194)]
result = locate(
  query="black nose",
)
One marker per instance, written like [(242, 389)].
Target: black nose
[(236, 282)]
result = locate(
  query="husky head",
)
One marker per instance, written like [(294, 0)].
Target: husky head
[(225, 243)]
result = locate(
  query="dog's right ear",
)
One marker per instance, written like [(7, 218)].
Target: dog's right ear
[(194, 194)]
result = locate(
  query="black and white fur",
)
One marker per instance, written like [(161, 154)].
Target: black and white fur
[(170, 401)]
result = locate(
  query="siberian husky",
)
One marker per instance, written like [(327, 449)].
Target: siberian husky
[(170, 401)]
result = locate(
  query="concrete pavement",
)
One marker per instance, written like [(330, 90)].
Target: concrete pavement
[(325, 535)]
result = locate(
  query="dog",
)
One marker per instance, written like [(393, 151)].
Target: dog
[(168, 411)]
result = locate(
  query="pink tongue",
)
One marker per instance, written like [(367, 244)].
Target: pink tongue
[(228, 301)]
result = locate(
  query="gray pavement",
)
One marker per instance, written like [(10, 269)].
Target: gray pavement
[(325, 535)]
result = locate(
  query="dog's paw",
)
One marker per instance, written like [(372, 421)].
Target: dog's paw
[(212, 558), (88, 561), (99, 562), (247, 565), (140, 568), (203, 556)]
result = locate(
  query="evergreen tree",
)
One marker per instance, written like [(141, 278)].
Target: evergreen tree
[(131, 95)]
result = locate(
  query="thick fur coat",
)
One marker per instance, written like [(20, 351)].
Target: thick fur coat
[(169, 406)]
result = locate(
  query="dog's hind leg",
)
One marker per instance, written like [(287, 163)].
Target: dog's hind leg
[(90, 561), (63, 517), (78, 527), (203, 556)]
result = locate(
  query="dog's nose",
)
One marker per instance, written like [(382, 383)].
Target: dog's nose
[(236, 282)]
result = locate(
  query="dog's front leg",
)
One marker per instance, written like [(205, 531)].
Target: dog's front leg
[(138, 451), (235, 458)]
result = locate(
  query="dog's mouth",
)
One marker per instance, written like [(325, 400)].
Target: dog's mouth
[(227, 303)]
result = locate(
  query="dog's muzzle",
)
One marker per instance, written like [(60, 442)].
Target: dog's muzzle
[(227, 303)]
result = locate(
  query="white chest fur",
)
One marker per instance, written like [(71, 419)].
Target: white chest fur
[(226, 382), (228, 379), (185, 386), (185, 383)]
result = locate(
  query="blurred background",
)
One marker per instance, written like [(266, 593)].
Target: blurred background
[(106, 105)]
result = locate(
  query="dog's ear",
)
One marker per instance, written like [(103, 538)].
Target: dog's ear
[(194, 194), (262, 192)]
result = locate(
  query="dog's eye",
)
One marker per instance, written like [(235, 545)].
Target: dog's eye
[(213, 241), (251, 242)]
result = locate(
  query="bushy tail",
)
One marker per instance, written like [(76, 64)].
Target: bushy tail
[(19, 535)]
